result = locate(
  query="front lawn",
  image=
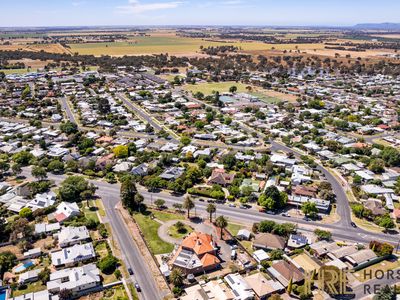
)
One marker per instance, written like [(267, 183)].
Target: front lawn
[(149, 228), (179, 234), (165, 216), (234, 228)]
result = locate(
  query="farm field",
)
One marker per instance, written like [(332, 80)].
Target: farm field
[(162, 43), (52, 48)]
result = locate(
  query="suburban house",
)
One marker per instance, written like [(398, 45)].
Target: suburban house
[(285, 271), (77, 280), (263, 287), (219, 176), (197, 254), (268, 241), (65, 211), (72, 255), (239, 286), (69, 236), (172, 173), (47, 228)]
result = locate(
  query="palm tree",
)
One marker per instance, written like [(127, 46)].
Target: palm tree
[(221, 223), (188, 204), (211, 209), (176, 277)]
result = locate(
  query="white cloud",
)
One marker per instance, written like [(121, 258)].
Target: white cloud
[(136, 7)]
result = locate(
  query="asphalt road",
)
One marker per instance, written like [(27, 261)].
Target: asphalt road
[(342, 203), (132, 257), (67, 109), (109, 194), (143, 115)]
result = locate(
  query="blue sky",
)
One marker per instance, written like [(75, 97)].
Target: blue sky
[(196, 12)]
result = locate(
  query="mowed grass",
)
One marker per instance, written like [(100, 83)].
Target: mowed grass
[(234, 228), (165, 216), (222, 87), (173, 231), (158, 43), (149, 228)]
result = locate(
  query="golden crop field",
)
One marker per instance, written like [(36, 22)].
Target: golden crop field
[(159, 43)]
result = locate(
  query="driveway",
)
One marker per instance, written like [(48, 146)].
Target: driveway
[(163, 230)]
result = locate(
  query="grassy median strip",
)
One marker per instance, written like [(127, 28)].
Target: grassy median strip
[(149, 228)]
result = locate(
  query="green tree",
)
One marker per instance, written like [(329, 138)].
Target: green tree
[(233, 89), (386, 222), (22, 158), (75, 189), (16, 169), (7, 261), (309, 209), (69, 127), (26, 212), (55, 166), (159, 203), (323, 234), (44, 275), (276, 254), (185, 140), (128, 192), (176, 277), (221, 222), (377, 166), (266, 226), (188, 204), (39, 173), (211, 208), (108, 264)]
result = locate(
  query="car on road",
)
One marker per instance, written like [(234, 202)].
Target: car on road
[(201, 200), (210, 201), (130, 271), (137, 287), (232, 205), (270, 212), (285, 215), (353, 224), (306, 219), (245, 206)]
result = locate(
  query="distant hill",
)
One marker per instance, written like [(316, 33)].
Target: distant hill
[(378, 26)]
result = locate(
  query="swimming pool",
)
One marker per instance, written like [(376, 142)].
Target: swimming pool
[(23, 267)]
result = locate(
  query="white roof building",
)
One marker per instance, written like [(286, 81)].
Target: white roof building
[(75, 279), (72, 255), (239, 286), (72, 235)]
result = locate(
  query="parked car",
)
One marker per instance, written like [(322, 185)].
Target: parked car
[(285, 215), (137, 287), (353, 224), (232, 205), (130, 271)]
